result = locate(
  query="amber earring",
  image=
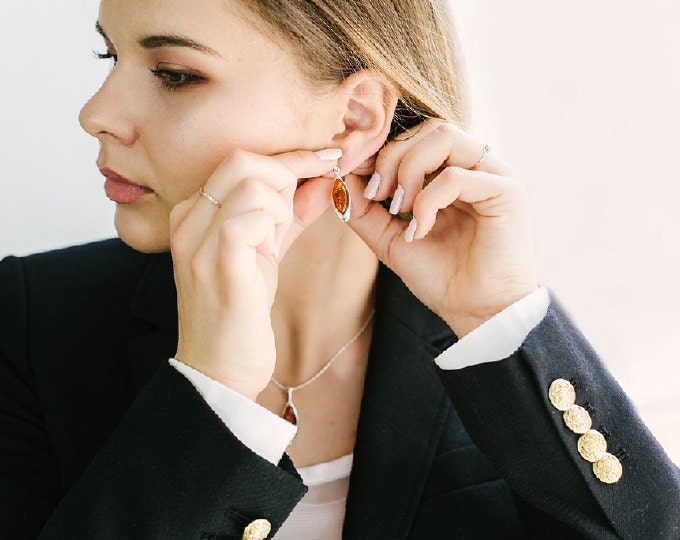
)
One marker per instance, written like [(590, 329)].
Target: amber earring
[(342, 200)]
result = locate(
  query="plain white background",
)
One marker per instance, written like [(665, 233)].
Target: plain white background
[(582, 97)]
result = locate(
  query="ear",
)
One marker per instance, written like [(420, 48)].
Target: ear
[(366, 102)]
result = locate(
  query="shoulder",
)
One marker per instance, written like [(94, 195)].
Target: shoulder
[(72, 269), (59, 283), (65, 265)]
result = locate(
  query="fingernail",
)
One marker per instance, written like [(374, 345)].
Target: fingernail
[(397, 199), (411, 230), (329, 154), (372, 187)]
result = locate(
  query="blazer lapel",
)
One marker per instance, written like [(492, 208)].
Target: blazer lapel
[(403, 406), (155, 301), (402, 415)]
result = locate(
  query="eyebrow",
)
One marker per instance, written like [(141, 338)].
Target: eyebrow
[(166, 40)]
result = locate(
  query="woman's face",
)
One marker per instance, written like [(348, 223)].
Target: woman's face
[(192, 81)]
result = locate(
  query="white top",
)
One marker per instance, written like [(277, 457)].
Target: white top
[(321, 512), (322, 509)]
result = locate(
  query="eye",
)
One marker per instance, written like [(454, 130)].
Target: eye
[(108, 55), (174, 78)]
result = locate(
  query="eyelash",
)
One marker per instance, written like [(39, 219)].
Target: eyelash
[(106, 56), (175, 80), (169, 79)]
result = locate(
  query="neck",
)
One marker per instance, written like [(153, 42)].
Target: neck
[(324, 296)]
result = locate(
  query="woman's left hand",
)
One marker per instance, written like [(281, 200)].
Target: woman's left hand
[(472, 251)]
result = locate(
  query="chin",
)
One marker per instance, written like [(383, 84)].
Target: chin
[(143, 233)]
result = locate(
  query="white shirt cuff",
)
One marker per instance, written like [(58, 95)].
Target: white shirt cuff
[(500, 336), (265, 433)]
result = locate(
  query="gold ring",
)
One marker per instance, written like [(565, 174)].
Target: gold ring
[(209, 197), (485, 152)]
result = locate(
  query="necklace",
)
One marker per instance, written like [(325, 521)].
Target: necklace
[(289, 411)]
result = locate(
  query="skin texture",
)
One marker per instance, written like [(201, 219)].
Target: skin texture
[(272, 282)]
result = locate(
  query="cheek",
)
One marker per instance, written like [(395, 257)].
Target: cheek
[(197, 133), (188, 145)]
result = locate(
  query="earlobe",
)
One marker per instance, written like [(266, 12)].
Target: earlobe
[(369, 101)]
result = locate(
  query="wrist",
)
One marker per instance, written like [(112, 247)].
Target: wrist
[(248, 387), (463, 323)]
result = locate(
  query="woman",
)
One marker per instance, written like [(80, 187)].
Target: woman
[(302, 343)]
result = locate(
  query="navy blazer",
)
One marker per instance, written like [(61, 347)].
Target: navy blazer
[(100, 438)]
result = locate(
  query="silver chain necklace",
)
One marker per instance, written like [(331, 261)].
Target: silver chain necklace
[(289, 411)]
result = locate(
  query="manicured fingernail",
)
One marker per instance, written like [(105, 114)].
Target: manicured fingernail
[(329, 154), (411, 230), (372, 187), (397, 199)]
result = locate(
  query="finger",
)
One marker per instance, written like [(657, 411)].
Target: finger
[(198, 212), (185, 234), (424, 158), (236, 249), (373, 223), (490, 196), (281, 173), (252, 195), (466, 151), (180, 211), (305, 164), (310, 202), (384, 181)]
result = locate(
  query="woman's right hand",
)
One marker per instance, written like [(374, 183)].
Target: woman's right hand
[(226, 260)]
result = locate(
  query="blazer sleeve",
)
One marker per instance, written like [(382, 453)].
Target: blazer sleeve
[(170, 470), (506, 408)]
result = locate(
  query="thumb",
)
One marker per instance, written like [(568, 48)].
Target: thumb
[(379, 229), (310, 201)]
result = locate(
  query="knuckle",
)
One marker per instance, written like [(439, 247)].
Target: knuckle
[(449, 174), (197, 267), (299, 155), (229, 232), (423, 205), (446, 130), (253, 189), (385, 153), (237, 159)]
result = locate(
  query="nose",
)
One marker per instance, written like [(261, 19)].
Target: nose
[(108, 113)]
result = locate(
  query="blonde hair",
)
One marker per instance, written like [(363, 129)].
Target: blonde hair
[(411, 42)]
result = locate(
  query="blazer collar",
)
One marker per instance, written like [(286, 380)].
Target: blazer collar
[(402, 414), (154, 301)]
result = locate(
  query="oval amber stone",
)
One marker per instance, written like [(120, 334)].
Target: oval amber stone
[(340, 196), (289, 414)]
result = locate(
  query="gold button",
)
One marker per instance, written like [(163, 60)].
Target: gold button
[(608, 469), (257, 530), (577, 419), (562, 394), (592, 445)]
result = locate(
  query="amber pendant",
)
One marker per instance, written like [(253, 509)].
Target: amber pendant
[(342, 200), (289, 412)]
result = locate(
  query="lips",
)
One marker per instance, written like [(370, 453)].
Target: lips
[(121, 190)]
